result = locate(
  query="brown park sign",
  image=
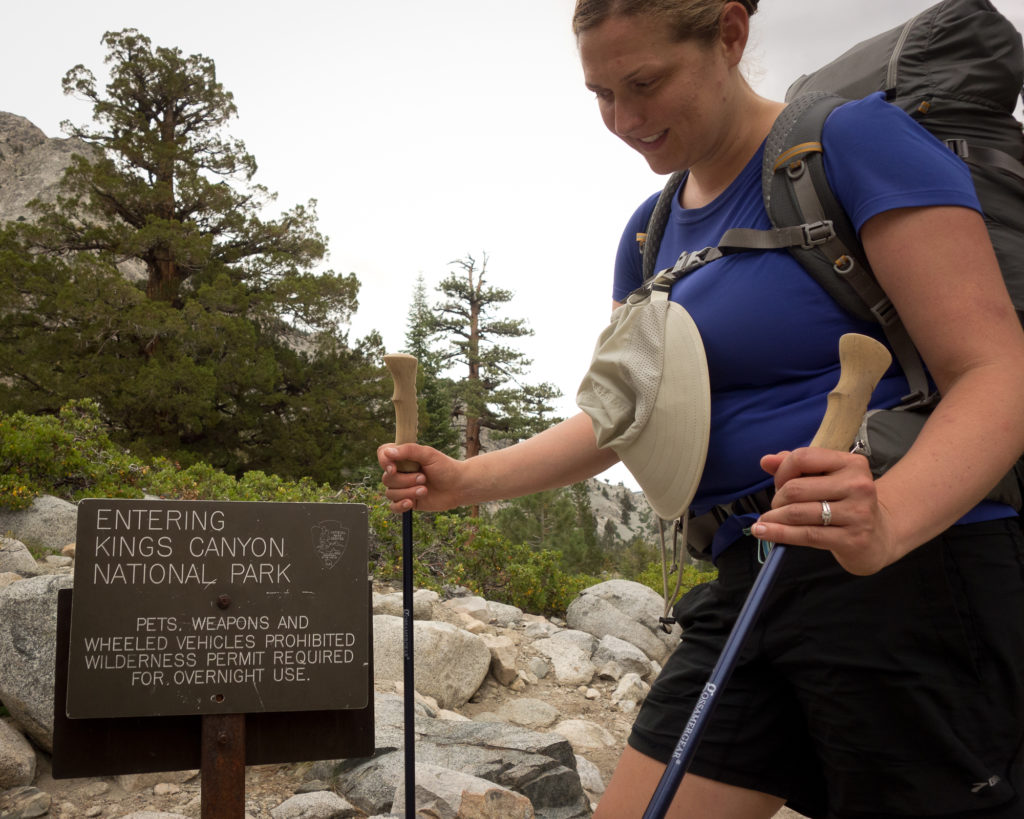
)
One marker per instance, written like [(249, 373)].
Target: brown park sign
[(210, 607)]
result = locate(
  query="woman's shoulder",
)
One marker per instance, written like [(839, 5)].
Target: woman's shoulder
[(628, 258), (869, 120), (871, 107), (642, 215), (877, 157)]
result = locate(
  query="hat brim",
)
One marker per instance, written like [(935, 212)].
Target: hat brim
[(667, 457), (652, 347)]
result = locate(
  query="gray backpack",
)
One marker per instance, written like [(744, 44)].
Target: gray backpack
[(958, 69)]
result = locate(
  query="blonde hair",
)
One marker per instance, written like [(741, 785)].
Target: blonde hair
[(686, 19)]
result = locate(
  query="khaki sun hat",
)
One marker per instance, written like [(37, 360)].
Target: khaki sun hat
[(648, 396)]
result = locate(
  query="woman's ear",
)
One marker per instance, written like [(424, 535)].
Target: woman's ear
[(734, 28)]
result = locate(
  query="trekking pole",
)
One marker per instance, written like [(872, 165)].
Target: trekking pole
[(403, 371), (862, 362)]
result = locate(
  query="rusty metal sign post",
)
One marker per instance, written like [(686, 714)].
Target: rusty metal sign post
[(221, 610), (222, 770)]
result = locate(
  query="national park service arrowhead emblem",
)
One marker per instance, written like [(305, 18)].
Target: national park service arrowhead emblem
[(330, 539)]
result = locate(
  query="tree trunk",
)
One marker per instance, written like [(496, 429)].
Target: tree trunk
[(163, 277), (163, 269)]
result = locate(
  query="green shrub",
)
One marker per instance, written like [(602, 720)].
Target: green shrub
[(201, 481), (71, 456), (452, 550), (692, 576)]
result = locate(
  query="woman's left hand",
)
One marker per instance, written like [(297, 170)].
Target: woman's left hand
[(828, 500)]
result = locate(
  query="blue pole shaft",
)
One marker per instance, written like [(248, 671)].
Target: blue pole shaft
[(682, 756)]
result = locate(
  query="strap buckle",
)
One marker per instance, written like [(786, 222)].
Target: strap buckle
[(959, 146), (643, 292), (817, 233), (884, 312), (690, 260)]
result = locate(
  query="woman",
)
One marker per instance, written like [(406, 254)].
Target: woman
[(886, 677)]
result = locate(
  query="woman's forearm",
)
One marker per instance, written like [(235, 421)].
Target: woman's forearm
[(966, 447), (561, 455)]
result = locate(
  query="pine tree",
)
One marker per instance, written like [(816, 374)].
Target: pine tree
[(557, 520), (491, 395), (435, 392), (588, 556)]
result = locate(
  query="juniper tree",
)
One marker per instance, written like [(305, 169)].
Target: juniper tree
[(231, 344)]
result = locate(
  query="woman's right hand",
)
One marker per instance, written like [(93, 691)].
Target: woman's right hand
[(433, 488)]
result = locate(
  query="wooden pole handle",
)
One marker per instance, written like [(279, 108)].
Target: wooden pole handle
[(863, 361), (403, 372)]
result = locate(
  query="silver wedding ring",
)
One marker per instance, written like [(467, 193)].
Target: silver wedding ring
[(826, 513)]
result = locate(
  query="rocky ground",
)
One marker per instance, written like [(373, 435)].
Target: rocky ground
[(268, 786)]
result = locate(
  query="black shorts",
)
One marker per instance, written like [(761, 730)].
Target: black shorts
[(895, 695)]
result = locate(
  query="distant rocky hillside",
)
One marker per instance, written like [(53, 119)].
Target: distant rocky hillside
[(609, 500), (31, 165)]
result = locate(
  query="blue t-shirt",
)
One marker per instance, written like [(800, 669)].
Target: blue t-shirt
[(770, 331)]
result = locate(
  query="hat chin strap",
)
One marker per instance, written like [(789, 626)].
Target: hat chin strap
[(666, 621)]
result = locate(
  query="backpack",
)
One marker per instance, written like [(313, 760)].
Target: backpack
[(958, 69)]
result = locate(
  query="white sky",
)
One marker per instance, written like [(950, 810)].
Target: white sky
[(428, 131)]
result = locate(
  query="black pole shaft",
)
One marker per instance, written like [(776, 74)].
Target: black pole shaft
[(409, 681)]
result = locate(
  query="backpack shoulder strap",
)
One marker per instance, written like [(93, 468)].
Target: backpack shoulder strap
[(656, 224), (796, 191)]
